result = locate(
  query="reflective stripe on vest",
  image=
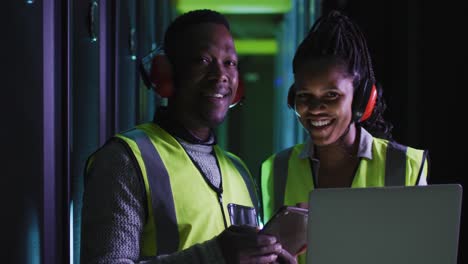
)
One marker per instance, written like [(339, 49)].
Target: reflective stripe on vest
[(167, 235), (280, 174), (247, 179), (395, 165)]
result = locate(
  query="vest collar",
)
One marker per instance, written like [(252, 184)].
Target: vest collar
[(173, 127)]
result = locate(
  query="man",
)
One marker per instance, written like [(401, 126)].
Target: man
[(159, 193)]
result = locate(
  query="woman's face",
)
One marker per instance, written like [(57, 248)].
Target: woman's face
[(324, 94)]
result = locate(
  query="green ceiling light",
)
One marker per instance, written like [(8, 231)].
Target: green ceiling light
[(236, 6), (256, 46)]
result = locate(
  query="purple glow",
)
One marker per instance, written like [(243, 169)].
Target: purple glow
[(49, 191)]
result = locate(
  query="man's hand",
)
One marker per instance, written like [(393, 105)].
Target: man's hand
[(243, 244), (286, 258)]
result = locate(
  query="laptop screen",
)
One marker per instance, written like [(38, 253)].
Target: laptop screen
[(417, 224)]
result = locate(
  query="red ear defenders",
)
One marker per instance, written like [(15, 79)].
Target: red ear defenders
[(363, 104), (364, 100), (157, 71), (239, 97), (161, 76)]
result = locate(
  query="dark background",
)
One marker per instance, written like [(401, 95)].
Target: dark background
[(420, 56), (53, 116)]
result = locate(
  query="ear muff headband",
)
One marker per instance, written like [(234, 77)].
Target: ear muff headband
[(370, 104), (364, 99), (291, 97), (160, 76), (239, 97)]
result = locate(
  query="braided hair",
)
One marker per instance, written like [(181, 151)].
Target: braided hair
[(337, 38)]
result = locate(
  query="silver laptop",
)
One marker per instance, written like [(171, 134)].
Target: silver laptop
[(413, 225)]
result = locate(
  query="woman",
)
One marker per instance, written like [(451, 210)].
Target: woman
[(338, 102)]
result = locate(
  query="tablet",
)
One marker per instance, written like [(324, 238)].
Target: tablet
[(289, 226)]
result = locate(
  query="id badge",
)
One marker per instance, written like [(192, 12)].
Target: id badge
[(242, 215)]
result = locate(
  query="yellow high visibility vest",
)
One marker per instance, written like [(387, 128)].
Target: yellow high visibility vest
[(183, 209), (287, 179)]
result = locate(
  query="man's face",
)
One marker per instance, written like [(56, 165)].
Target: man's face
[(205, 75)]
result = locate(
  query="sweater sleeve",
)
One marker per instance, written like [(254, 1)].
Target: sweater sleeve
[(206, 252), (114, 214)]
